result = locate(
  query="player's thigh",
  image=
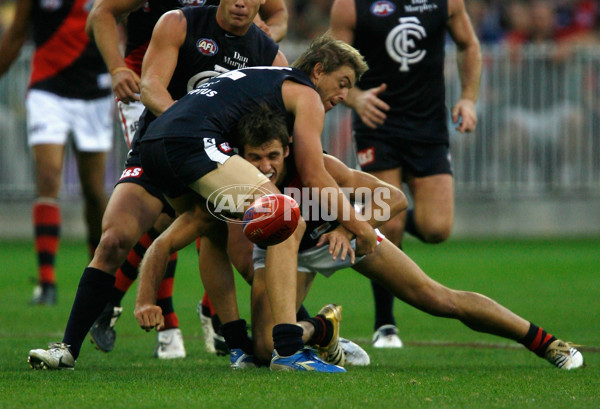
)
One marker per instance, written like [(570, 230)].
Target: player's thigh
[(234, 181), (433, 201), (131, 210)]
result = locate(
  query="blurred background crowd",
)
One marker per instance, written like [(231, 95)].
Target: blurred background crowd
[(496, 21)]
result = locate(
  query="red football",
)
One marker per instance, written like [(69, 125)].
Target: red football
[(271, 219)]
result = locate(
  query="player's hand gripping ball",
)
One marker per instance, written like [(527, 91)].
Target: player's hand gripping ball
[(271, 219)]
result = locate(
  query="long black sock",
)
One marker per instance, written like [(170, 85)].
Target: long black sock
[(287, 339), (92, 295), (537, 340), (236, 336), (323, 331), (384, 305)]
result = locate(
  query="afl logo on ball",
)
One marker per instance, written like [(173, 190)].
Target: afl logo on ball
[(207, 46), (382, 8)]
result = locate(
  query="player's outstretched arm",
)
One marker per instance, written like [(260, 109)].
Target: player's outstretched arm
[(309, 112), (184, 230), (160, 61), (382, 200), (102, 27), (15, 35)]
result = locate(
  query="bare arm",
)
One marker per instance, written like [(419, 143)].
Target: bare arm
[(102, 27), (280, 60), (179, 234), (160, 61), (15, 35), (309, 113), (366, 103), (385, 200), (273, 19), (469, 64)]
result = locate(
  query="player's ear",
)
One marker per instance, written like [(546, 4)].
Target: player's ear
[(287, 152), (318, 70)]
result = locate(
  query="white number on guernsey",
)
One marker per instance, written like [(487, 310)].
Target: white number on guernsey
[(236, 75)]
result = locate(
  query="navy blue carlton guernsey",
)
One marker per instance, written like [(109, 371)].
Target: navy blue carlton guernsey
[(208, 50), (216, 106), (403, 43), (65, 61), (140, 24)]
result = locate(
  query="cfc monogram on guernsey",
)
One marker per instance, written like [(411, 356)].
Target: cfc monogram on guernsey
[(403, 43)]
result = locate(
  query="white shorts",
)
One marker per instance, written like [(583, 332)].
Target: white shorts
[(51, 118), (316, 259), (130, 118)]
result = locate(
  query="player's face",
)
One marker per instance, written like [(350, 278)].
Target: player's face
[(236, 15), (269, 159), (333, 87)]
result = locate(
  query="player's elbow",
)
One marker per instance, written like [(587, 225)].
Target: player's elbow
[(398, 201)]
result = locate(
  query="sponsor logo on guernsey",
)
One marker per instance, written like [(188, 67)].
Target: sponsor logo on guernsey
[(50, 5), (225, 148), (207, 46), (192, 2), (401, 42), (366, 156), (382, 8), (132, 172), (420, 6)]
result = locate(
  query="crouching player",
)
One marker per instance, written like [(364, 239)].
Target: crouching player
[(388, 265)]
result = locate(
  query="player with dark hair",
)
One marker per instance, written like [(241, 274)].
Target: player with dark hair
[(141, 17), (400, 117), (188, 152), (68, 94), (136, 201), (387, 265)]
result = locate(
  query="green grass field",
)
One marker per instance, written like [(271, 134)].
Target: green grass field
[(443, 365)]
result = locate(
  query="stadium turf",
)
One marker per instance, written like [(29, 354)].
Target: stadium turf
[(553, 283)]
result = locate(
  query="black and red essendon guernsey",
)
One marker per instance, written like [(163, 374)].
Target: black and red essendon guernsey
[(65, 61)]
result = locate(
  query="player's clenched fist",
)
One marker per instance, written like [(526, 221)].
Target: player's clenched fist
[(149, 316)]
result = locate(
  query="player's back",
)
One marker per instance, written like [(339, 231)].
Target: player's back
[(217, 105)]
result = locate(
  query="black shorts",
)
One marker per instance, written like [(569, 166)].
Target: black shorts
[(172, 164), (382, 152), (134, 173)]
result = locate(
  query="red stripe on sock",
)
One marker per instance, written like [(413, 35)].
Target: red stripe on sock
[(171, 320), (198, 244), (47, 214), (134, 259), (165, 290), (206, 303), (535, 344), (46, 273), (46, 244), (146, 241), (122, 282), (173, 257)]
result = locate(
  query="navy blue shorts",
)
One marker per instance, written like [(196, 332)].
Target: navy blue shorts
[(172, 164), (382, 152), (133, 173)]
